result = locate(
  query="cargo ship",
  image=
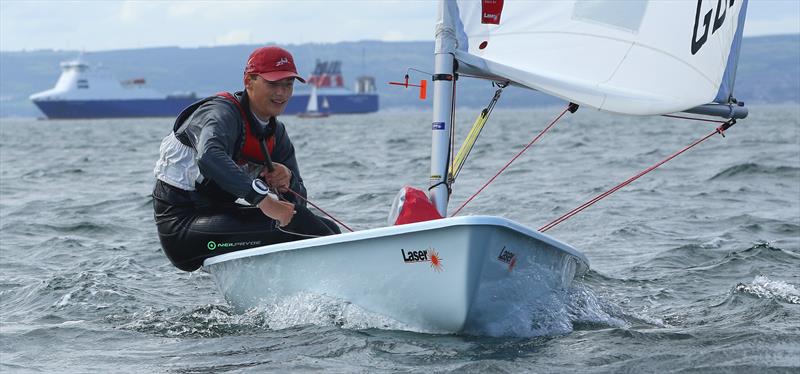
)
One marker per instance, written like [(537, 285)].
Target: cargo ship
[(83, 92), (332, 95)]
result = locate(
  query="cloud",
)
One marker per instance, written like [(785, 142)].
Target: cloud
[(129, 11), (394, 36), (234, 37), (100, 25), (186, 8)]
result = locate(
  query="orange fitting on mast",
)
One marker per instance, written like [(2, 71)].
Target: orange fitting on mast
[(423, 86), (404, 83)]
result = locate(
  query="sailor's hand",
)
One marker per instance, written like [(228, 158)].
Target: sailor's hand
[(280, 211), (278, 178)]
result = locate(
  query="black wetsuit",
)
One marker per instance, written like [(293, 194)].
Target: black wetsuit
[(195, 225)]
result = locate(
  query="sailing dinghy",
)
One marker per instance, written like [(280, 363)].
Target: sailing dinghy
[(464, 274), (312, 109)]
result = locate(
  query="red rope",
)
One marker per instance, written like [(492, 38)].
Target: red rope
[(320, 209), (720, 130), (515, 157)]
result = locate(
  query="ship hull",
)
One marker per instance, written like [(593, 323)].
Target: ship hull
[(337, 104), (80, 109)]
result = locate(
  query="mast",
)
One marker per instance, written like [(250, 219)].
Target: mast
[(442, 107)]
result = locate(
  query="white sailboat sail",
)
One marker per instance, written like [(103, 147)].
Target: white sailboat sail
[(325, 105), (312, 106), (630, 57)]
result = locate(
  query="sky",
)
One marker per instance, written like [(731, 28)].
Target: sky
[(98, 25)]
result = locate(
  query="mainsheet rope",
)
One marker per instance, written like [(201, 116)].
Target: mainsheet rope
[(320, 209)]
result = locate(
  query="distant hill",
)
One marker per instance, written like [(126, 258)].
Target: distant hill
[(769, 71)]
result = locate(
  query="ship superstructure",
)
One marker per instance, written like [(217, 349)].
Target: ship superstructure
[(333, 94)]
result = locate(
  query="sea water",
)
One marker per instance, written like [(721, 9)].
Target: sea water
[(695, 267)]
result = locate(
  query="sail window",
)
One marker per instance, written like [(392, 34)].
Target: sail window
[(626, 15), (83, 83)]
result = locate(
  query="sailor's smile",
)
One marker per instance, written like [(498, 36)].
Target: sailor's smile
[(269, 98)]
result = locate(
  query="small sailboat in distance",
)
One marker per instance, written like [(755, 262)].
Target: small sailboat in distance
[(326, 106), (312, 110), (328, 78), (477, 274)]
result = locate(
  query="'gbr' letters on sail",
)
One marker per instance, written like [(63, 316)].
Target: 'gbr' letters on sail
[(721, 9)]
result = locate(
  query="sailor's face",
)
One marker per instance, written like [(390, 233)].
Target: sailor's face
[(269, 98)]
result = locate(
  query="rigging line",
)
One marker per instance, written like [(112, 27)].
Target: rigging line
[(572, 107), (449, 177), (472, 136), (719, 130), (419, 71), (270, 167), (278, 226), (320, 209), (693, 118)]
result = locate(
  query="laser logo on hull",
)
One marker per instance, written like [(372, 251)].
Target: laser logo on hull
[(425, 255), (507, 257)]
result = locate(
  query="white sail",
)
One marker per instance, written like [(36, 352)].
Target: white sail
[(312, 100), (631, 57)]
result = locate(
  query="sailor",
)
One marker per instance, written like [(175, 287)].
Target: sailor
[(227, 176)]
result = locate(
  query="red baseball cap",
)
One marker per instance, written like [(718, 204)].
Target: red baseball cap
[(272, 63)]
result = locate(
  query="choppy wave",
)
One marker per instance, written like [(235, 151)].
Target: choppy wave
[(754, 169), (587, 310), (205, 321), (217, 320), (707, 257), (321, 310), (583, 310), (704, 283), (764, 288)]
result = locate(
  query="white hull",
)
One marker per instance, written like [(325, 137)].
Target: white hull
[(487, 266)]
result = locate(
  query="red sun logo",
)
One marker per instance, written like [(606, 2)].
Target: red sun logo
[(436, 260)]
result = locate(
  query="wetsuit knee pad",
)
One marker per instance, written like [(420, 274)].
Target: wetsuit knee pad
[(307, 223), (188, 265), (331, 225)]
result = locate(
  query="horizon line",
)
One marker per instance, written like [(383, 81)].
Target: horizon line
[(274, 43)]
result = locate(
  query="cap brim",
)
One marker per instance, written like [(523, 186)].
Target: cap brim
[(278, 75)]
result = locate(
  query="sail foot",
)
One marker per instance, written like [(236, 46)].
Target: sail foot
[(737, 111)]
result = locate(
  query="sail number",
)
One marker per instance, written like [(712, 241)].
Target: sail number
[(719, 18)]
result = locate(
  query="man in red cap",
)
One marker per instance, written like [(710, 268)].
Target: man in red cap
[(230, 149), (269, 78)]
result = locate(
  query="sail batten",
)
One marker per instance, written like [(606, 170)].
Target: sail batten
[(632, 57)]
